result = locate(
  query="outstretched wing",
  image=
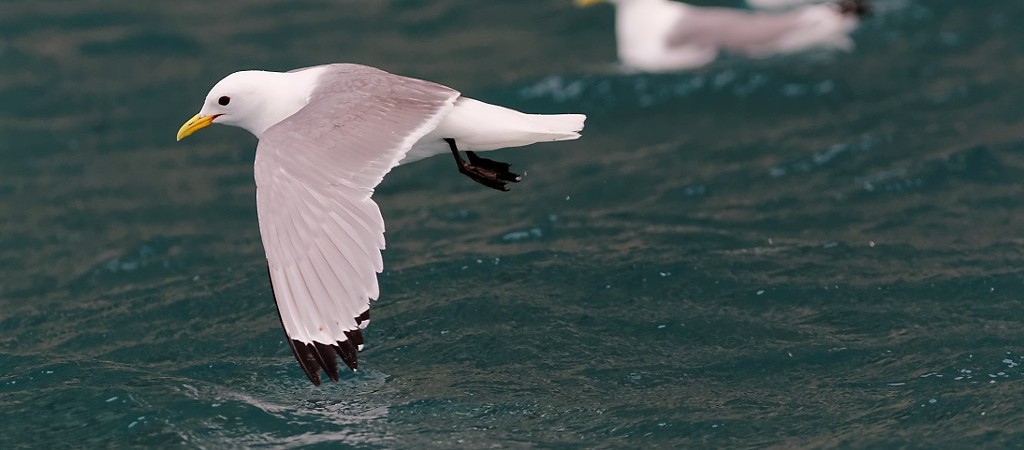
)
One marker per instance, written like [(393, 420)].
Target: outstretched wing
[(315, 173)]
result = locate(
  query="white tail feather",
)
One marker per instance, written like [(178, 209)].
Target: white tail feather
[(558, 127), (479, 126)]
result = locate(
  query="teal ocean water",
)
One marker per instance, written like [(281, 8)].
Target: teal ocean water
[(822, 250)]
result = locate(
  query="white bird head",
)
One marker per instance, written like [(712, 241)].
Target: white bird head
[(253, 100)]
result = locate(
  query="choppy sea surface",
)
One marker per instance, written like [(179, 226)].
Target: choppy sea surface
[(821, 250)]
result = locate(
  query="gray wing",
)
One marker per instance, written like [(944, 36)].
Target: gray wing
[(732, 30), (315, 174)]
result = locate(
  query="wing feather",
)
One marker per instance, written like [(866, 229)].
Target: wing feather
[(322, 232)]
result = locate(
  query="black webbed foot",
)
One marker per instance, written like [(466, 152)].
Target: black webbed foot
[(499, 169), (490, 173), (491, 164)]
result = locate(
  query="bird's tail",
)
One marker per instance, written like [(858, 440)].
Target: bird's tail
[(556, 127), (480, 126), (856, 8)]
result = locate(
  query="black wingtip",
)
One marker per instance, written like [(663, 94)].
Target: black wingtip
[(347, 351), (304, 354), (328, 360), (364, 317), (356, 338), (316, 356)]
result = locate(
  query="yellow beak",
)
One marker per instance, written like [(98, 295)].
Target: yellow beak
[(194, 124), (586, 3)]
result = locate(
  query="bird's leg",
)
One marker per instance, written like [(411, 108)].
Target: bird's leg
[(492, 174)]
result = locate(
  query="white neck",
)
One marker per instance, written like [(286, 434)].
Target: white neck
[(274, 98)]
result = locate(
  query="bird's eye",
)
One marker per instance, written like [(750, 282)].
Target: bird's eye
[(223, 101)]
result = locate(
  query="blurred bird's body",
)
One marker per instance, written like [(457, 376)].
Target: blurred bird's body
[(779, 4), (663, 35)]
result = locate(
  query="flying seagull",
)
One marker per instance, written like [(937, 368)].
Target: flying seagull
[(327, 136), (663, 35)]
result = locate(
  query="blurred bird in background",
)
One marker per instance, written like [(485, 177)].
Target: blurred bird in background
[(663, 35)]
